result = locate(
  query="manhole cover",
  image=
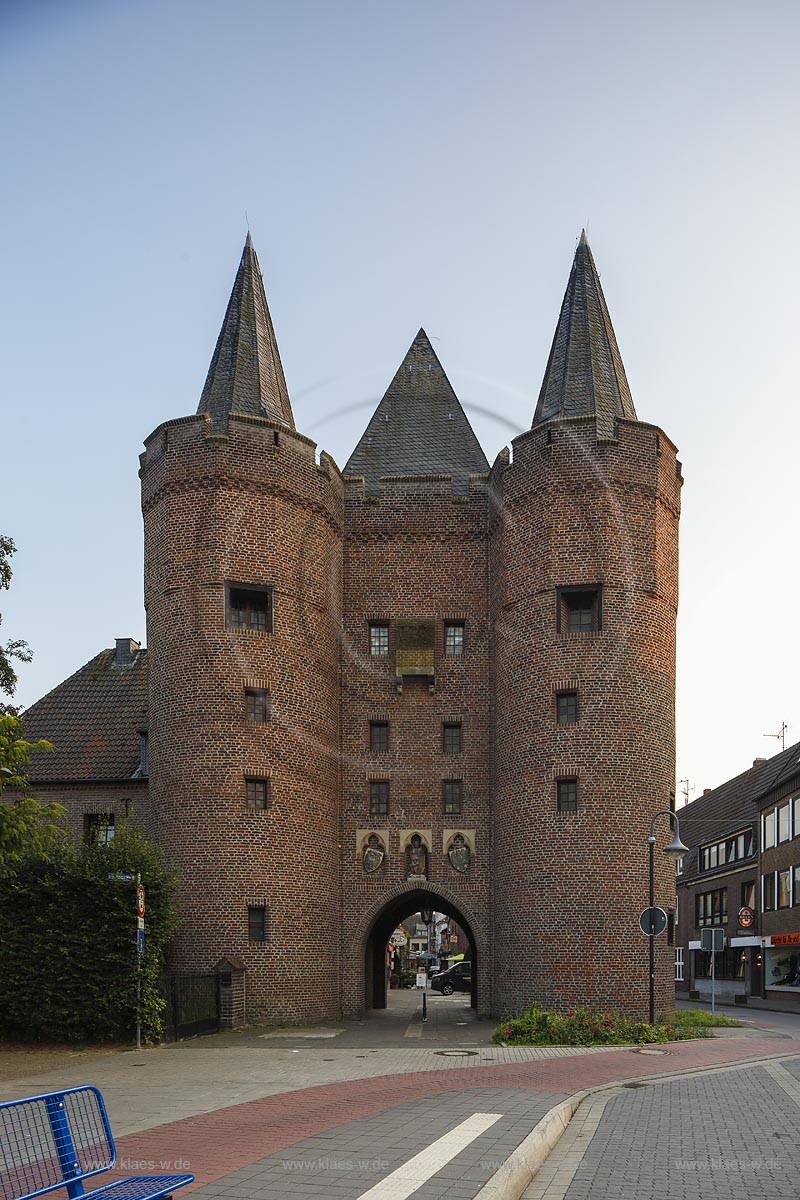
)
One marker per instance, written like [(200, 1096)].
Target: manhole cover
[(651, 1051), (456, 1053)]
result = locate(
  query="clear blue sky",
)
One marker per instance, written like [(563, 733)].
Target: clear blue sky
[(424, 163)]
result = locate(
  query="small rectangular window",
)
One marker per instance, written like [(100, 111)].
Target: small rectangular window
[(379, 736), (454, 638), (784, 895), (679, 964), (768, 830), (257, 924), (257, 705), (769, 892), (451, 737), (379, 639), (567, 708), (258, 793), (98, 828), (452, 794), (249, 607), (796, 816), (567, 795), (579, 610), (748, 894), (784, 814), (796, 886), (379, 798)]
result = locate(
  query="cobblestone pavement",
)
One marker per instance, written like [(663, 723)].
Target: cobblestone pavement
[(723, 1133)]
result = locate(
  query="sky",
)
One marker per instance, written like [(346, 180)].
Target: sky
[(425, 163)]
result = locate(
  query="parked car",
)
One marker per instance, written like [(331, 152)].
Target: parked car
[(457, 978)]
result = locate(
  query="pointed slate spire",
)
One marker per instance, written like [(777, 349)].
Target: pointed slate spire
[(419, 427), (246, 375), (585, 375)]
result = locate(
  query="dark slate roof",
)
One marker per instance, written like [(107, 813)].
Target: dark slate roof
[(246, 375), (419, 427), (733, 805), (585, 375), (93, 720)]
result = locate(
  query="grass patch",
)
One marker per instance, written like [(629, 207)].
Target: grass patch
[(586, 1027)]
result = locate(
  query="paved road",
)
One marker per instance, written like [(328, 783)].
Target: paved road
[(386, 1109)]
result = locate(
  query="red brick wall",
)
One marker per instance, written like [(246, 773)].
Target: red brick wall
[(568, 888), (252, 508)]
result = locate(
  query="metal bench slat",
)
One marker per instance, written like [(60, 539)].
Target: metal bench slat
[(139, 1188)]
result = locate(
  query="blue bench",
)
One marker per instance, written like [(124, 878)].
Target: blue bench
[(61, 1138)]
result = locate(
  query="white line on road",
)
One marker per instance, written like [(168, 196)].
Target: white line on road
[(418, 1170)]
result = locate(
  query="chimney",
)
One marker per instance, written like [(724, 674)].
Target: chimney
[(759, 762), (706, 791), (124, 652)]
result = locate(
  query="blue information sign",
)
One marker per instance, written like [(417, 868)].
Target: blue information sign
[(140, 937)]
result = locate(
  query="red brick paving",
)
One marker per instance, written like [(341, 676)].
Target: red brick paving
[(217, 1143)]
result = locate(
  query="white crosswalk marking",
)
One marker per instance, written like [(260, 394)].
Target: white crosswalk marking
[(418, 1170)]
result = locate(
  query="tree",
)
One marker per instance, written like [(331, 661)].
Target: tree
[(16, 647), (26, 826)]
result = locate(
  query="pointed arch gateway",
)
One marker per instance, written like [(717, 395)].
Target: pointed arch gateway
[(364, 958)]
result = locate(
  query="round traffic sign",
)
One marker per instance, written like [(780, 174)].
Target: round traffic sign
[(140, 900), (653, 921)]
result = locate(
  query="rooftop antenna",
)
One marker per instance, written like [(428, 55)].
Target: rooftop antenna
[(685, 787), (780, 735)]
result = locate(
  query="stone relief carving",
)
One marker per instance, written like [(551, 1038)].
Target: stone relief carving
[(416, 858), (459, 854), (374, 854)]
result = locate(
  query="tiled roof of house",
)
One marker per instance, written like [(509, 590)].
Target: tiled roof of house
[(585, 375), (246, 375), (733, 805), (93, 719), (419, 427)]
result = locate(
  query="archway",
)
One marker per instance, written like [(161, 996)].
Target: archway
[(377, 927)]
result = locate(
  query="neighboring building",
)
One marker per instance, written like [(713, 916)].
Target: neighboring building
[(742, 875), (418, 683)]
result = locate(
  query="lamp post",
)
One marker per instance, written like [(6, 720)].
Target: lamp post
[(675, 849), (427, 917)]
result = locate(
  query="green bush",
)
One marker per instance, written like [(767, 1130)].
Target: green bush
[(585, 1027), (695, 1018), (68, 932)]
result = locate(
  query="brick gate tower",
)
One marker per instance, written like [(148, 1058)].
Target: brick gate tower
[(584, 554), (243, 554)]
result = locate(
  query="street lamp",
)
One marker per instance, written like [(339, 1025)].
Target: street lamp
[(675, 849)]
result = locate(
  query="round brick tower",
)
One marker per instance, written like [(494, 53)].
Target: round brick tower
[(242, 536), (584, 552)]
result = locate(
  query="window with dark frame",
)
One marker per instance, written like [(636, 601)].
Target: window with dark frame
[(783, 816), (711, 908), (748, 894), (453, 638), (258, 793), (730, 850), (379, 736), (567, 708), (784, 894), (579, 610), (452, 796), (378, 639), (257, 700), (796, 886), (257, 924), (379, 798), (451, 737), (249, 607), (567, 795), (769, 892), (98, 828)]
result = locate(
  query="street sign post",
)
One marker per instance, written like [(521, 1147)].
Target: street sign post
[(713, 940), (653, 921)]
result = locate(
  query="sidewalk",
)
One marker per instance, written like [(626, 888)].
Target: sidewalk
[(257, 1117)]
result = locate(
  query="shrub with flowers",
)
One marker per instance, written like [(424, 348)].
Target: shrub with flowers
[(585, 1027)]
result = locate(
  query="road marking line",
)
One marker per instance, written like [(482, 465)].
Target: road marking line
[(418, 1170), (414, 1027)]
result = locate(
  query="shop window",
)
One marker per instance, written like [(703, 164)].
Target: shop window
[(454, 638), (248, 607), (567, 708), (257, 701), (784, 888), (379, 798), (579, 610), (378, 639), (258, 793), (98, 828), (379, 736), (784, 822), (711, 908), (730, 963), (257, 923), (768, 884), (679, 964), (768, 830), (451, 737), (452, 796), (567, 795)]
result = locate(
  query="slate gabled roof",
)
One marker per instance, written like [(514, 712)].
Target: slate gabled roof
[(585, 375), (246, 375), (733, 805), (419, 427), (93, 720)]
